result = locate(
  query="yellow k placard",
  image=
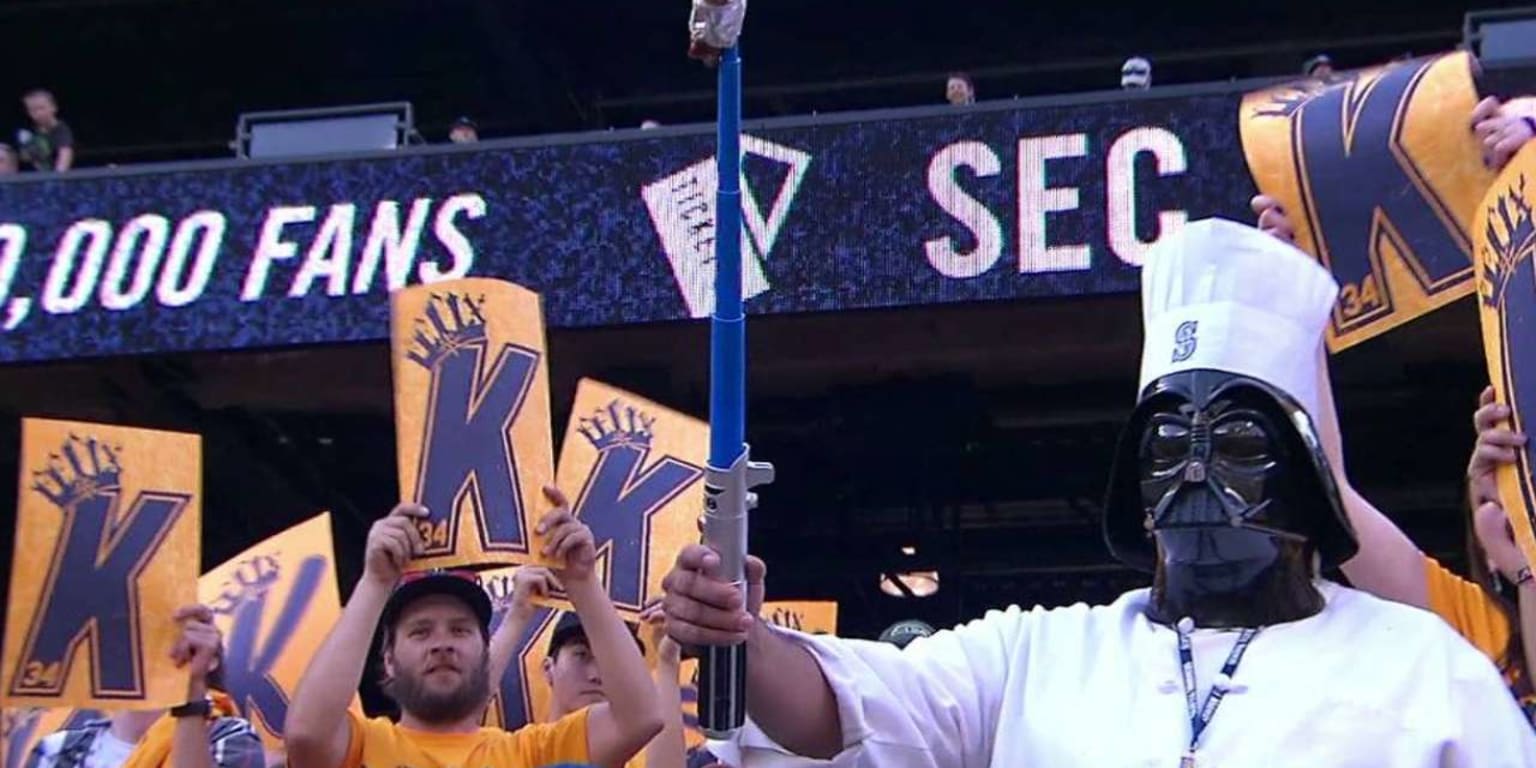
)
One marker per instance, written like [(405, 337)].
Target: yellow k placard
[(1506, 287), (471, 388), (634, 472), (275, 603), (107, 549), (814, 617), (1381, 176), (522, 695)]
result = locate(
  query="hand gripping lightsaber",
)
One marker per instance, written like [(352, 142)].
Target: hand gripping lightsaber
[(731, 474)]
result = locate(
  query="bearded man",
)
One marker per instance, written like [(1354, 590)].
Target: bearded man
[(435, 659)]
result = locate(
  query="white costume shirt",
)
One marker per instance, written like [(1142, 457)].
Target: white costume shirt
[(1366, 683)]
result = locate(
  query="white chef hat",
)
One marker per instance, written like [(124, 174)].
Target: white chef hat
[(1225, 296)]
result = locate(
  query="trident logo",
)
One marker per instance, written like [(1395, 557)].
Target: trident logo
[(682, 209)]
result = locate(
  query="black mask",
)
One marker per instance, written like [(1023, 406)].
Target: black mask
[(1229, 494)]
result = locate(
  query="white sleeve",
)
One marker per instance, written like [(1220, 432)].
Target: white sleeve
[(933, 705), (1491, 730)]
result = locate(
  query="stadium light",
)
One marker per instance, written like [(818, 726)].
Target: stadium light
[(324, 131), (1507, 34)]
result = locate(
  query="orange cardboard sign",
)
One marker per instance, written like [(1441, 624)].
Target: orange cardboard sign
[(522, 695), (275, 603), (634, 472), (107, 549), (1381, 176), (471, 385), (1506, 286)]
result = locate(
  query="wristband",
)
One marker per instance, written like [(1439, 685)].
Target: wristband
[(200, 708)]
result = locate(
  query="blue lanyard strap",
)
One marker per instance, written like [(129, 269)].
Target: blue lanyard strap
[(1200, 716)]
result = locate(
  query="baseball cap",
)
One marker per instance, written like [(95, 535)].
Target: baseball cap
[(568, 630), (416, 585)]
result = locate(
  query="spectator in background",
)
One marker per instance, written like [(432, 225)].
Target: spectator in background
[(8, 162), (959, 89), (1136, 74), (50, 145), (573, 674), (1319, 67), (464, 131)]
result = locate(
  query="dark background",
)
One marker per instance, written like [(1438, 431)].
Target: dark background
[(166, 79)]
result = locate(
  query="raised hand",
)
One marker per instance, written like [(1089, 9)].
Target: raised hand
[(1272, 218), (1501, 133), (392, 542), (567, 540), (654, 617), (1496, 445), (529, 582), (199, 647), (1497, 537), (702, 608)]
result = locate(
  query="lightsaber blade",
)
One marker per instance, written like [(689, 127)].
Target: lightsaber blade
[(730, 474)]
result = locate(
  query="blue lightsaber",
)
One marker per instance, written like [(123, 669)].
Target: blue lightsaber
[(731, 474)]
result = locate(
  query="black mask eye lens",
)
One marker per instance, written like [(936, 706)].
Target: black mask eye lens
[(1166, 446), (1243, 442)]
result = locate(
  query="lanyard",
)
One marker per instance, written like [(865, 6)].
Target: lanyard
[(1200, 716)]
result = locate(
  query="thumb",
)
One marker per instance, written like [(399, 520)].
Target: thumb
[(1262, 203), (757, 575), (1485, 109)]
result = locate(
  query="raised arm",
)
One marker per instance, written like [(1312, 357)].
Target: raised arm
[(670, 748), (317, 733), (528, 582), (1498, 445), (933, 705), (620, 727), (234, 744), (1388, 565)]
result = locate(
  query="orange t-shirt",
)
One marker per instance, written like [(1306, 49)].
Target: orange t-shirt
[(1467, 608), (381, 743)]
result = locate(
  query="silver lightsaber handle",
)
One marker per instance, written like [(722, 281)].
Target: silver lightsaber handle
[(723, 669)]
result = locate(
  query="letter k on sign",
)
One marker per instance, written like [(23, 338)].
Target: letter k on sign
[(106, 550), (1380, 177)]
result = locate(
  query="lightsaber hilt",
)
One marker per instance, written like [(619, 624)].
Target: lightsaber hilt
[(723, 669)]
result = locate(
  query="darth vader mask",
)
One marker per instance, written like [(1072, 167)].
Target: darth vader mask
[(1221, 477)]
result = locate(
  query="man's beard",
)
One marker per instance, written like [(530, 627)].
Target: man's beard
[(410, 691)]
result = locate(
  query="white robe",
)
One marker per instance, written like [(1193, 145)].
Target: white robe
[(1366, 683)]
